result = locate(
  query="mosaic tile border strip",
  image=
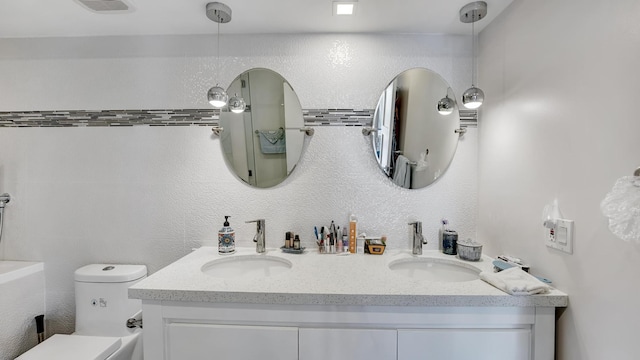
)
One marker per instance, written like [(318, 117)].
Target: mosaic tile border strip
[(348, 117), (183, 117), (468, 118), (88, 118)]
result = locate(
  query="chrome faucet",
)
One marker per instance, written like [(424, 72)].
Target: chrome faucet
[(417, 237), (259, 237), (4, 199)]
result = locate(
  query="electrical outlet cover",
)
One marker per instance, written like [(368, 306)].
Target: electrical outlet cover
[(561, 237)]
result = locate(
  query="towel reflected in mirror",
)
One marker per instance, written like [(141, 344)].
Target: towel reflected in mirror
[(402, 172)]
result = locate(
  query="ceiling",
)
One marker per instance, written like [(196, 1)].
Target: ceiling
[(66, 18)]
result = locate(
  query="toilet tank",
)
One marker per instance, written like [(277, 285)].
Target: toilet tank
[(102, 301)]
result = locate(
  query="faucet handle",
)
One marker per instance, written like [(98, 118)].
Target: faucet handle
[(258, 221)]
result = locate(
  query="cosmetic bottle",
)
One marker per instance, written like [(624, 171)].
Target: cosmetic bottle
[(450, 242), (352, 233), (444, 222), (226, 238), (345, 239), (288, 241)]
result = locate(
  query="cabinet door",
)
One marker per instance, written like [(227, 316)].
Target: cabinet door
[(464, 344), (347, 344), (231, 342)]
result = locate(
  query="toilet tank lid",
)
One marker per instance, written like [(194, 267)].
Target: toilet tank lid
[(110, 273)]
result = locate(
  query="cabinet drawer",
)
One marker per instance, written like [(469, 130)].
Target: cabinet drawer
[(347, 344), (464, 344), (226, 342)]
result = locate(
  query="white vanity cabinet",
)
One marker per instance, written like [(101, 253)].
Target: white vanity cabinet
[(183, 330), (373, 313)]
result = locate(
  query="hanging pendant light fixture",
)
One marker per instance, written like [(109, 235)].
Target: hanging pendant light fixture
[(237, 104), (470, 13), (445, 105), (220, 13)]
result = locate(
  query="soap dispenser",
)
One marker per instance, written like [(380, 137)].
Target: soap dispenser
[(226, 238)]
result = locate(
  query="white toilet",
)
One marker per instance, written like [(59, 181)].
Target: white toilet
[(102, 310)]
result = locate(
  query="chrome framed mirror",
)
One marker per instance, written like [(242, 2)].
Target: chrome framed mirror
[(414, 135), (263, 144)]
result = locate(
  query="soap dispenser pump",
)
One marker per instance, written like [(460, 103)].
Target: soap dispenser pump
[(226, 238)]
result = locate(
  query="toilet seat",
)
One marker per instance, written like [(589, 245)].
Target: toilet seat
[(73, 347)]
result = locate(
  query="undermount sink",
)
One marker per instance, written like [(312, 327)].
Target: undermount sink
[(236, 266), (432, 269)]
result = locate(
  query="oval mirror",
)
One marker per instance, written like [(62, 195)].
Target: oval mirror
[(263, 144), (414, 126)]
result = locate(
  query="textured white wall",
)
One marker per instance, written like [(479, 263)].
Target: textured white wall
[(561, 79), (148, 195), (338, 71)]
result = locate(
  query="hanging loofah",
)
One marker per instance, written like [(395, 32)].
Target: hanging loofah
[(622, 207)]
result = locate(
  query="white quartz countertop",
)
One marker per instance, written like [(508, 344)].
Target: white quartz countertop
[(329, 279)]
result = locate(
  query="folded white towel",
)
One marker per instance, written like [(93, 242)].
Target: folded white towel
[(402, 173), (515, 281)]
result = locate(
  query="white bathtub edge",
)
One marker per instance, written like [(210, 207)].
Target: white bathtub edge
[(13, 270)]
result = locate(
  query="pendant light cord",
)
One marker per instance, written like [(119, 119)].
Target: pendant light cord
[(1, 221), (473, 51), (218, 53)]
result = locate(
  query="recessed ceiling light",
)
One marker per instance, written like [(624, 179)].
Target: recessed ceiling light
[(344, 7)]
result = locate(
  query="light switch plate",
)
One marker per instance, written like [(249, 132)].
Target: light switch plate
[(562, 238)]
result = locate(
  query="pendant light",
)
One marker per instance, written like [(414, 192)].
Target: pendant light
[(445, 105), (220, 13), (237, 104), (470, 13)]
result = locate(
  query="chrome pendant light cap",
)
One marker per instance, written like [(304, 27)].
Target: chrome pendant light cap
[(217, 96), (473, 98), (218, 12), (473, 12), (445, 105), (237, 104)]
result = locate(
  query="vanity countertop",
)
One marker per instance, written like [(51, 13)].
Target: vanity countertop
[(329, 279)]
